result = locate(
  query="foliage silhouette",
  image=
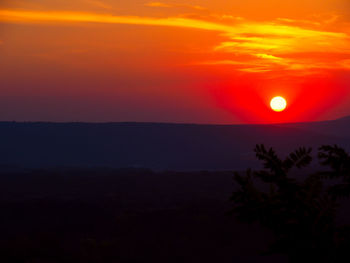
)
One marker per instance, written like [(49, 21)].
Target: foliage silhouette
[(300, 213)]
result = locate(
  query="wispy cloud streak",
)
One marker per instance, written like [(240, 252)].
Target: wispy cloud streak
[(165, 5), (270, 45), (42, 17)]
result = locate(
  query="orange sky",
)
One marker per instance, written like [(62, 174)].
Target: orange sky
[(175, 61)]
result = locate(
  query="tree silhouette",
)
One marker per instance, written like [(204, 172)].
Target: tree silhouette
[(300, 213), (339, 163)]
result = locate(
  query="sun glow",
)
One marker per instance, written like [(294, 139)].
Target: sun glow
[(278, 104)]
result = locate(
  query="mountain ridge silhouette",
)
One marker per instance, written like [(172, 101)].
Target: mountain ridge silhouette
[(159, 146)]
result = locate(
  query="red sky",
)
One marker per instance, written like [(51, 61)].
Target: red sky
[(174, 61)]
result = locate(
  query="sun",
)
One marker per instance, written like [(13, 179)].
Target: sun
[(278, 104)]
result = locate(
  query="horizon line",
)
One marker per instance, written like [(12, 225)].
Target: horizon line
[(170, 123)]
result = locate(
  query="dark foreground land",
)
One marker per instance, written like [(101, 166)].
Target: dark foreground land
[(96, 215), (123, 216)]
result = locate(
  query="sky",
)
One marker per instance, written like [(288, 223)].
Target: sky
[(174, 61)]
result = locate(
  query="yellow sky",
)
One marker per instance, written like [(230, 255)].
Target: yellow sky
[(269, 43)]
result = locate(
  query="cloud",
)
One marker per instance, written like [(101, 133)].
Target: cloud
[(234, 31), (269, 45), (56, 16), (266, 56), (165, 5), (252, 65), (227, 17), (288, 66), (158, 4), (297, 21)]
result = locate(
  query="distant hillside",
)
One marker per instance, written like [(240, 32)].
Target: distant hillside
[(338, 128), (156, 145)]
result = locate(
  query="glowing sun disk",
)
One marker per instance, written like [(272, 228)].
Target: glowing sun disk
[(278, 104)]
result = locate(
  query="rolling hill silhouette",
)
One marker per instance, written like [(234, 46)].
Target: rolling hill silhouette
[(157, 145)]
